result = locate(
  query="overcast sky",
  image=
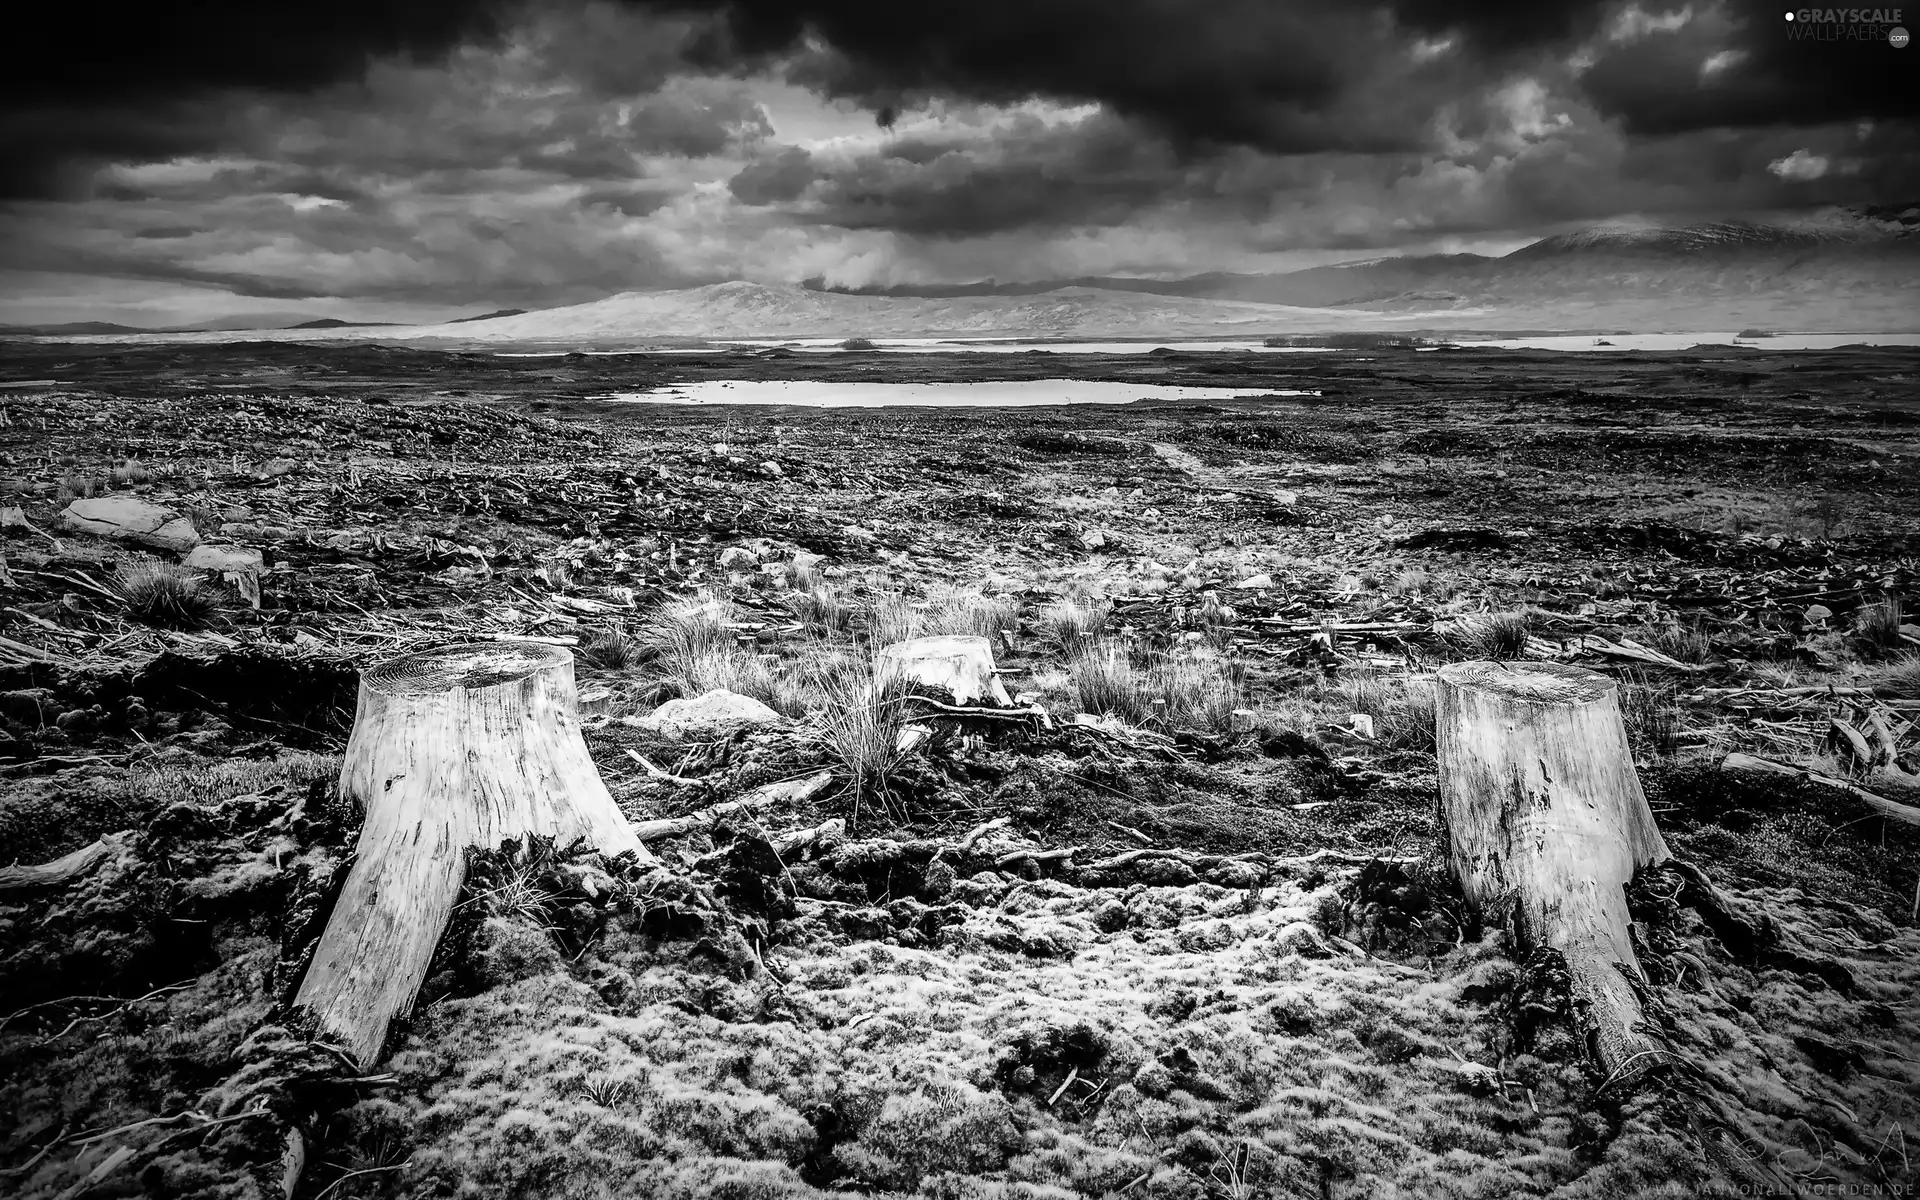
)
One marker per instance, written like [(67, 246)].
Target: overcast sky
[(170, 163)]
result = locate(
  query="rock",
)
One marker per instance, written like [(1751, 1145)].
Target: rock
[(1255, 583), (1818, 614), (127, 518), (772, 469), (1093, 539), (736, 557), (716, 710), (225, 558)]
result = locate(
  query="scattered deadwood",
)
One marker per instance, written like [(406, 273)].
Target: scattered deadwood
[(1547, 824), (451, 749), (1751, 764), (61, 870), (787, 791)]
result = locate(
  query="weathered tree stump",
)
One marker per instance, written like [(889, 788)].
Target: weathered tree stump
[(1547, 825), (953, 670), (459, 747)]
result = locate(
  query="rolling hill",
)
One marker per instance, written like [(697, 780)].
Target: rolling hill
[(1840, 270)]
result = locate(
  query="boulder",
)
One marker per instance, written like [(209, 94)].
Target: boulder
[(1255, 583), (714, 711), (130, 519)]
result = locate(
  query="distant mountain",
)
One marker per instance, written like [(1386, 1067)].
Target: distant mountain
[(504, 312), (337, 323), (70, 329), (1838, 270)]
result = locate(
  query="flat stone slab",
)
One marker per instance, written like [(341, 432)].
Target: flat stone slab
[(131, 519), (228, 559)]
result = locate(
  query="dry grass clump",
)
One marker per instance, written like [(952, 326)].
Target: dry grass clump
[(610, 647), (517, 894), (692, 645), (1500, 637), (960, 611), (1650, 708), (734, 668), (861, 726), (1688, 643), (129, 472), (1876, 627), (684, 628), (1075, 619), (948, 611), (75, 487), (1183, 692), (165, 595), (804, 573), (1900, 679), (1402, 711), (822, 607)]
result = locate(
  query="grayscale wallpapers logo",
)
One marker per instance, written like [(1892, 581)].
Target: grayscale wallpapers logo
[(1847, 25)]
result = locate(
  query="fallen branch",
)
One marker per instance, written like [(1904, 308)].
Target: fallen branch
[(35, 653), (654, 772), (786, 791), (60, 870), (1753, 764)]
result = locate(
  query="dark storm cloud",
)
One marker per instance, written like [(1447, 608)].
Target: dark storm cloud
[(775, 178), (130, 81), (1281, 75), (1763, 76)]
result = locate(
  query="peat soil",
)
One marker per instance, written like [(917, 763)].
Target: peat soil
[(1249, 977)]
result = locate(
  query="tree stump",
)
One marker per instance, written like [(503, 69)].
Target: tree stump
[(1547, 825), (459, 747), (953, 670)]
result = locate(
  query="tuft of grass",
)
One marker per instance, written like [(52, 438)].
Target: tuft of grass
[(130, 471), (822, 607), (1500, 637), (1687, 643), (604, 1089), (683, 629), (75, 487), (1183, 691), (1075, 619), (1403, 712), (164, 595), (861, 726), (691, 643), (1650, 708), (518, 895), (1900, 679), (893, 618), (1876, 627), (610, 647), (804, 574), (960, 611), (734, 668)]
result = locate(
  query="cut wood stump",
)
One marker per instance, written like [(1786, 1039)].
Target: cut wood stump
[(1547, 825), (454, 748), (953, 670)]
